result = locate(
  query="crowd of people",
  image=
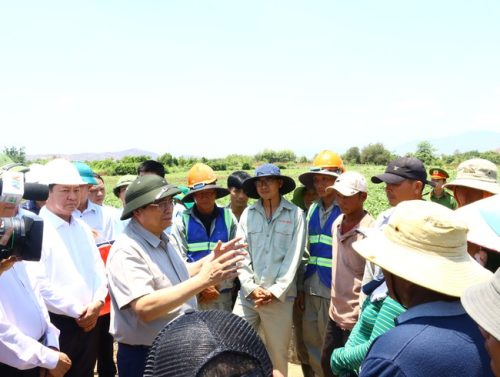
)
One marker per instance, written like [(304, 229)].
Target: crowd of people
[(182, 286)]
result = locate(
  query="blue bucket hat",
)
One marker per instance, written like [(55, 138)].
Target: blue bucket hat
[(267, 170)]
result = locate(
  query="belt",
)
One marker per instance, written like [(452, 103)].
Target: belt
[(140, 346)]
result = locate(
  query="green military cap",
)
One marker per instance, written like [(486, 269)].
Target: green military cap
[(146, 190), (123, 181), (438, 173)]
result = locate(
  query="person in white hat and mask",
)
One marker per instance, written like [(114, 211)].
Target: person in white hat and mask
[(423, 254), (70, 273)]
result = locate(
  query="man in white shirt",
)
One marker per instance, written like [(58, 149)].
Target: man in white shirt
[(28, 341), (70, 273), (99, 220), (102, 223)]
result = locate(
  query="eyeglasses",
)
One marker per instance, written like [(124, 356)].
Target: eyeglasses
[(164, 204), (265, 181)]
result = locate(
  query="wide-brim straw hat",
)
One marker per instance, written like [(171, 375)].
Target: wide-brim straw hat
[(482, 303), (220, 192), (426, 244), (476, 173), (144, 190), (483, 220), (267, 170)]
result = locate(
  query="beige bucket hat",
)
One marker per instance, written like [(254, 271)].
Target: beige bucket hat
[(482, 302), (483, 220), (424, 243), (477, 173)]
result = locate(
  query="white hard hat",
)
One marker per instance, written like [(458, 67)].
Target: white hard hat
[(62, 172)]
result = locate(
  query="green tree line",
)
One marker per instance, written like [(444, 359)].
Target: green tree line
[(372, 154)]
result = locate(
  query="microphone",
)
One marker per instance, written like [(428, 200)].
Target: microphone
[(32, 191)]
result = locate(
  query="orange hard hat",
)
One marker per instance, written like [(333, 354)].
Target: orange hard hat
[(327, 159), (200, 173)]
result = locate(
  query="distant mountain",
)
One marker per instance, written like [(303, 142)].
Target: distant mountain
[(473, 140), (95, 156)]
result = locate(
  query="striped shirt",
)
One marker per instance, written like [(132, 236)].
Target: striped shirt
[(376, 319)]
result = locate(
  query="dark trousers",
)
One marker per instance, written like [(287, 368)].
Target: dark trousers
[(105, 362), (335, 337), (131, 360), (8, 371), (80, 346)]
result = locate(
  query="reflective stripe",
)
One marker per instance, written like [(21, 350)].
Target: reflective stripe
[(185, 220), (201, 246), (311, 210), (321, 238), (204, 246), (228, 220), (323, 262)]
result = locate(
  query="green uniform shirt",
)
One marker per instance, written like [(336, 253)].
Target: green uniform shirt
[(445, 199)]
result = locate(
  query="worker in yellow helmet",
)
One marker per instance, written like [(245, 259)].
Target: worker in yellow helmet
[(314, 287), (200, 227)]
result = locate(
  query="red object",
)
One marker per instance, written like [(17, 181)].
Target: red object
[(104, 250)]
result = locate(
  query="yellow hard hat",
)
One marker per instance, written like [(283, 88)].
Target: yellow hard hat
[(326, 163), (327, 159), (200, 173), (202, 177)]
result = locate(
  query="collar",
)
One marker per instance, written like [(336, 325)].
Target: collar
[(363, 224), (211, 216), (55, 220), (432, 309), (283, 204), (150, 238), (326, 209), (91, 207)]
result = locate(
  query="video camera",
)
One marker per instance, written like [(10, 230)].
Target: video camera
[(26, 239)]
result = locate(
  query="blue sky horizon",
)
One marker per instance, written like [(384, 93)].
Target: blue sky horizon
[(222, 77)]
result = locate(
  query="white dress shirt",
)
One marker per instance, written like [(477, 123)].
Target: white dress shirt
[(98, 219), (24, 321), (70, 273)]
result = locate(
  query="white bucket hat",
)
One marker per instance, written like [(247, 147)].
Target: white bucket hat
[(483, 220), (349, 184), (477, 173), (424, 243), (482, 302), (62, 172)]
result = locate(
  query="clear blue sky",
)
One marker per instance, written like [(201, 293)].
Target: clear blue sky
[(218, 77)]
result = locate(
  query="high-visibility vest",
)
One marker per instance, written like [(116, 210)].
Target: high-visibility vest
[(199, 243), (320, 244)]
